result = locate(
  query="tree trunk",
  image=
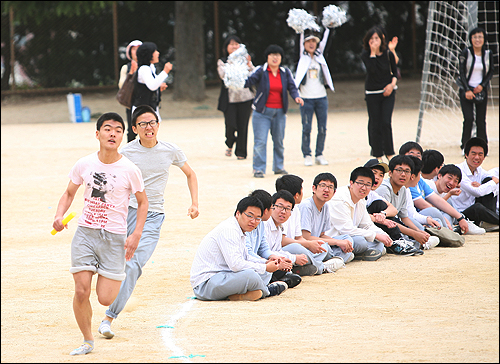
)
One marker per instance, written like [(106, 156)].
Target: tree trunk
[(189, 78)]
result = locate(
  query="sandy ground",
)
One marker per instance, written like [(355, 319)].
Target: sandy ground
[(439, 307)]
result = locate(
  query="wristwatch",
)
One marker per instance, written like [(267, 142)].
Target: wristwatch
[(461, 218)]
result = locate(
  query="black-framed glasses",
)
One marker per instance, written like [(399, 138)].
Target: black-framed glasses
[(361, 184), (324, 185), (402, 171), (283, 208), (144, 124), (251, 217)]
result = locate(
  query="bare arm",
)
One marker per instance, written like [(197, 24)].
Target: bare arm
[(142, 212), (64, 204), (192, 182)]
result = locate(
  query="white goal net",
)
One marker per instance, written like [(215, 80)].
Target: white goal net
[(448, 25)]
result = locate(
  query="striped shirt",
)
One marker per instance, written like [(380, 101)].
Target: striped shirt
[(222, 250)]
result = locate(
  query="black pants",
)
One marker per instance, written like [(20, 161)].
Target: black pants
[(236, 118), (484, 209), (380, 205), (468, 113), (380, 110), (130, 134)]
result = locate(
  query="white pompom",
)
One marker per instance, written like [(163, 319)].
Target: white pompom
[(333, 16), (300, 20), (236, 69)]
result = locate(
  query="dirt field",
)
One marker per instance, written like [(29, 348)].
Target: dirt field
[(439, 307)]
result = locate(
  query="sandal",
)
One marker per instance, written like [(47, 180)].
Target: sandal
[(229, 152)]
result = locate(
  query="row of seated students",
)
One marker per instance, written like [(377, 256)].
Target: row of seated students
[(274, 240)]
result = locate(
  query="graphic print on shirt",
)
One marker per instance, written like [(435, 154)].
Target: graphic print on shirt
[(97, 207)]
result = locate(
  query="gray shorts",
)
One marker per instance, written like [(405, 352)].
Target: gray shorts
[(98, 251)]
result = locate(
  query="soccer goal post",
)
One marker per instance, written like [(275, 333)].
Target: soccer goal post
[(448, 24)]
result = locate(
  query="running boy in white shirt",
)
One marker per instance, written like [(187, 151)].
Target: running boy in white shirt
[(100, 244)]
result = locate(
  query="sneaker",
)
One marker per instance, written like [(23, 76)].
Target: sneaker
[(305, 270), (400, 247), (457, 229), (105, 329), (291, 279), (488, 227), (258, 174), (280, 171), (431, 242), (474, 229), (332, 265), (308, 160), (321, 160), (351, 258), (370, 255), (277, 288), (85, 348)]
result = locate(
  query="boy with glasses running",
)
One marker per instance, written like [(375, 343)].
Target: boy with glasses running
[(154, 158)]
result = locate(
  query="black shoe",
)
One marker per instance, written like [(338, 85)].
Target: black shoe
[(457, 229), (305, 270), (280, 171), (400, 247), (277, 288), (291, 279), (258, 174), (369, 255)]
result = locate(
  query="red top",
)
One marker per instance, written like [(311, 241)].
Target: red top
[(275, 99)]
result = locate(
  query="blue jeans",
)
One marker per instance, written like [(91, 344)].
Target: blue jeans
[(320, 107), (273, 120), (147, 244)]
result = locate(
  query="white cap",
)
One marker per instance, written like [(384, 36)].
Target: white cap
[(134, 43)]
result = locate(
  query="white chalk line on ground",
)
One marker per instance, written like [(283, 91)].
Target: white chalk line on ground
[(167, 333)]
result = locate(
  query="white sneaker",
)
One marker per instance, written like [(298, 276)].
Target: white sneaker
[(105, 330), (308, 161), (431, 243), (474, 229), (321, 160), (332, 265)]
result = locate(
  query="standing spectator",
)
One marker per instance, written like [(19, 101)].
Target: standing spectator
[(235, 104), (129, 68), (149, 85), (270, 105), (311, 78), (475, 72), (380, 95)]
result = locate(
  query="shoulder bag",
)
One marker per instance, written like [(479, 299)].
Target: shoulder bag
[(124, 95)]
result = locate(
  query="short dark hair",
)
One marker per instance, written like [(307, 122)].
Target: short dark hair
[(475, 31), (476, 142), (290, 183), (406, 147), (285, 195), (247, 202), (417, 165), (142, 109), (401, 159), (431, 159), (227, 41), (451, 169), (264, 197), (109, 116), (273, 48), (145, 52), (362, 172), (326, 176)]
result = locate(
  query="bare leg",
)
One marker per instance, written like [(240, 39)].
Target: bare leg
[(81, 303)]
